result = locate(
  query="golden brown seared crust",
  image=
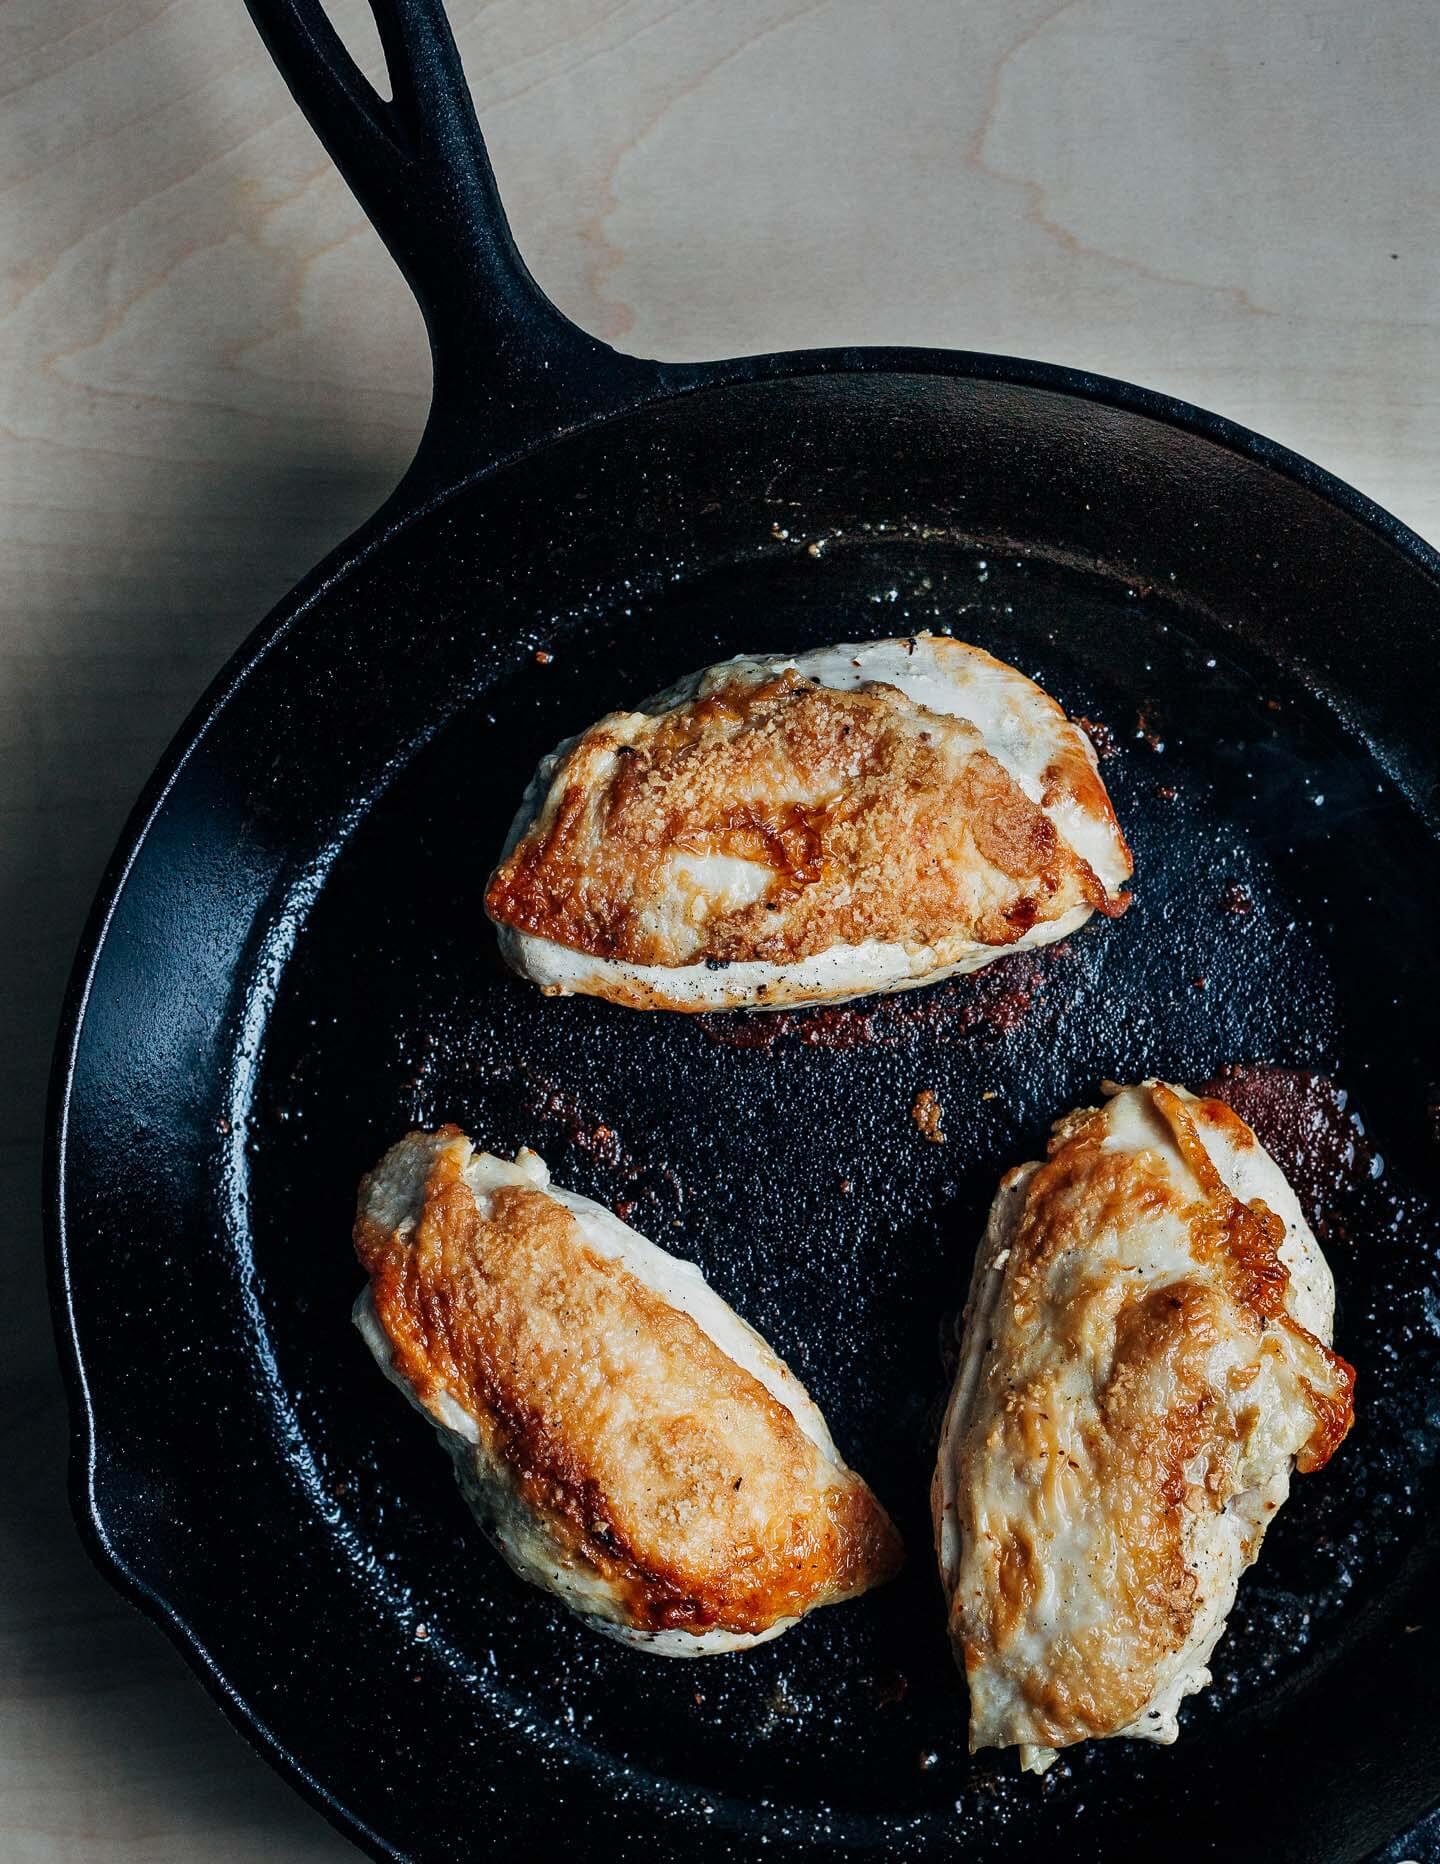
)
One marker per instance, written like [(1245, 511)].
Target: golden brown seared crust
[(1124, 1410), (1246, 1239), (660, 1462), (879, 820)]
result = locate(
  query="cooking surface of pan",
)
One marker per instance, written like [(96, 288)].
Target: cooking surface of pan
[(291, 965)]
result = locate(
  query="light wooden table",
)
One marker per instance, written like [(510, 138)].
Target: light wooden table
[(212, 373)]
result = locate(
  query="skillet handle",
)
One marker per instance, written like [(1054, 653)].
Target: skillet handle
[(509, 368)]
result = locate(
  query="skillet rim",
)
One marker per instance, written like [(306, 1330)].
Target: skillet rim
[(415, 497)]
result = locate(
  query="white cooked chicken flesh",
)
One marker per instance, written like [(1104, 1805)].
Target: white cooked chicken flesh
[(1146, 1356), (626, 1441), (768, 832)]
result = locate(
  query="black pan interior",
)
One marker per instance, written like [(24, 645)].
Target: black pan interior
[(1244, 659)]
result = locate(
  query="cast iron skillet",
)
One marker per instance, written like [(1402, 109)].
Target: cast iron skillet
[(288, 965)]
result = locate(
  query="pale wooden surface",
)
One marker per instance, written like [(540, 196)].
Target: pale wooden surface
[(212, 373)]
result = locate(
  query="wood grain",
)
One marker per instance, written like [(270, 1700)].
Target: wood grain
[(212, 372)]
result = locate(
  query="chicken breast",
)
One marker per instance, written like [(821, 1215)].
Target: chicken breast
[(625, 1440), (1145, 1358), (768, 832)]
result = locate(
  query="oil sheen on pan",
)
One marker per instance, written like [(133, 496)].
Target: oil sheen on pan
[(770, 832)]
